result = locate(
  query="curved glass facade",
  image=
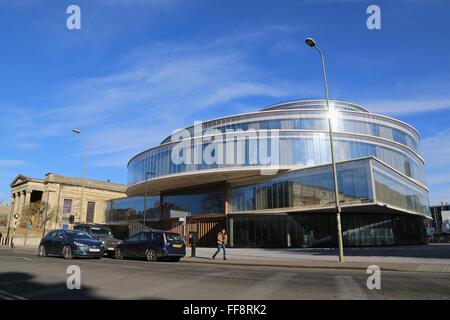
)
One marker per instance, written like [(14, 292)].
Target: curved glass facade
[(296, 148), (132, 209), (213, 170), (360, 182), (316, 120)]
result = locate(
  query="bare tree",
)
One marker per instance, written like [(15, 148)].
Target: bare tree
[(37, 214), (4, 210)]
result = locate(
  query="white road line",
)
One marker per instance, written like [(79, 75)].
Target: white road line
[(28, 259), (349, 289), (10, 296)]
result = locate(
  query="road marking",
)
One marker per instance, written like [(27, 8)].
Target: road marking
[(28, 259), (349, 289), (9, 296)]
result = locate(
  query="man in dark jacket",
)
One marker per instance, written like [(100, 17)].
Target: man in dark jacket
[(222, 239)]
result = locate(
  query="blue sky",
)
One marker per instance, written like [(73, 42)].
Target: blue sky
[(139, 69)]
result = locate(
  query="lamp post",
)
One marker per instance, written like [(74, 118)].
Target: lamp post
[(78, 131), (145, 196), (310, 42)]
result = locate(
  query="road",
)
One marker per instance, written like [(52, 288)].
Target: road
[(26, 276)]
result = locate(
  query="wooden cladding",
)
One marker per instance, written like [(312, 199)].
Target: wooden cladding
[(207, 227)]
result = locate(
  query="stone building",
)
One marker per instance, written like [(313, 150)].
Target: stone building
[(65, 195)]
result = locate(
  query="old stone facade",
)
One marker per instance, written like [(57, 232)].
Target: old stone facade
[(66, 196)]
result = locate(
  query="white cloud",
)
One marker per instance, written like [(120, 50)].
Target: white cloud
[(154, 90), (11, 163), (408, 106)]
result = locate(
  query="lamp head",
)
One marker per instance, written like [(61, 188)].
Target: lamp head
[(310, 42)]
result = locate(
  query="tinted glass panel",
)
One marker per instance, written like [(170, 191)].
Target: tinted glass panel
[(195, 202)]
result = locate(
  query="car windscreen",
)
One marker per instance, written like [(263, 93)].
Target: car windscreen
[(100, 232), (77, 235), (173, 237)]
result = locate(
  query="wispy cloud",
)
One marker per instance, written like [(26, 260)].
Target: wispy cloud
[(11, 163), (407, 106), (154, 90)]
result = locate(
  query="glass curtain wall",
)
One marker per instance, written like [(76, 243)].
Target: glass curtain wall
[(357, 122), (132, 209), (307, 188), (313, 188), (391, 188), (305, 230), (210, 200), (294, 148)]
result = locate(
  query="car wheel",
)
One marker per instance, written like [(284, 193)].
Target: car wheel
[(118, 254), (67, 252), (41, 251), (150, 254)]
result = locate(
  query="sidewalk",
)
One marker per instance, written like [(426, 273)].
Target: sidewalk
[(431, 258)]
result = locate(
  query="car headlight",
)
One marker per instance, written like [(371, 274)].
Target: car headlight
[(79, 244)]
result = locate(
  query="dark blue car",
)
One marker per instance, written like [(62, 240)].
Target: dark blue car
[(152, 245), (69, 244)]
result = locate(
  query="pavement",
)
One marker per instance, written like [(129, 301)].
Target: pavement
[(23, 276), (426, 258)]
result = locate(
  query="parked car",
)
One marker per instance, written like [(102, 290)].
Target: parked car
[(101, 233), (69, 244), (152, 245)]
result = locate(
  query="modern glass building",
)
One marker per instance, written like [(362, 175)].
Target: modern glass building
[(267, 177)]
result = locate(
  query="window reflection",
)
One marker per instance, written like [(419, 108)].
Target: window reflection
[(194, 202), (392, 189), (132, 209), (306, 188), (319, 230), (303, 149)]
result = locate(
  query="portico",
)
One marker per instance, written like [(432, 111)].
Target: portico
[(63, 195)]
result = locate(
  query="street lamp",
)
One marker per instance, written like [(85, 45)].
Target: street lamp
[(145, 196), (78, 131), (310, 42)]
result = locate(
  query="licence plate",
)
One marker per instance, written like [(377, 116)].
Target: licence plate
[(176, 245), (111, 249), (94, 250)]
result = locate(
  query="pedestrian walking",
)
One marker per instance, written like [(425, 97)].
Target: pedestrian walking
[(222, 239)]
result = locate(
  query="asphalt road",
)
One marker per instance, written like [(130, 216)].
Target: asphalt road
[(26, 276)]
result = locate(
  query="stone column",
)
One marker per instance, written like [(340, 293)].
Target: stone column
[(16, 203), (52, 205), (21, 199), (27, 197), (22, 202)]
